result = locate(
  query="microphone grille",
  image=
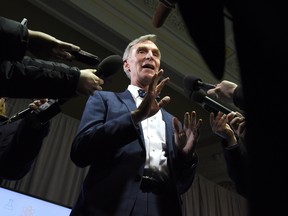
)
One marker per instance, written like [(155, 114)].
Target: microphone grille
[(110, 65), (190, 84), (199, 96)]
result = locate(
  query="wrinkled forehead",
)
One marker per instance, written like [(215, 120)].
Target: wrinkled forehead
[(150, 45)]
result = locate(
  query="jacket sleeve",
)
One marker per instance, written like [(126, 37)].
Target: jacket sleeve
[(238, 167), (13, 40), (35, 78), (238, 98)]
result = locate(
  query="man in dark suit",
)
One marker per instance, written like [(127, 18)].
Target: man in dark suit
[(141, 159)]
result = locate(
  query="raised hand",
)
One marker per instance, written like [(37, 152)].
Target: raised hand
[(187, 137), (150, 106)]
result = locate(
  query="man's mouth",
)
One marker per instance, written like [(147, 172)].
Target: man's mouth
[(148, 66)]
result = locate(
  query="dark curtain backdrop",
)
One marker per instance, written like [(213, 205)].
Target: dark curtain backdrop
[(55, 178)]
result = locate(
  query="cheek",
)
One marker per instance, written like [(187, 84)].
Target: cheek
[(157, 64)]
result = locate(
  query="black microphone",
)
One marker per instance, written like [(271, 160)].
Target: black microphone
[(192, 83), (43, 113), (209, 104), (109, 66), (86, 57)]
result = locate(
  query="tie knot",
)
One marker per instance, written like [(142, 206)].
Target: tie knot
[(141, 93)]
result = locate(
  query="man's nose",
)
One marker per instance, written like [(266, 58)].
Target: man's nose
[(149, 55)]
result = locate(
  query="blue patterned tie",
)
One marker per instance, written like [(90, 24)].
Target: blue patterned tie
[(142, 94)]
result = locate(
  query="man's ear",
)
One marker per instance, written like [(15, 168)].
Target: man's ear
[(126, 65)]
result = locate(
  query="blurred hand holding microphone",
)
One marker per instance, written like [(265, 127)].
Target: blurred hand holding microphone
[(196, 90), (106, 68)]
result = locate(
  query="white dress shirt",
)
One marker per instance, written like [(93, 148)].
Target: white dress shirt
[(154, 129)]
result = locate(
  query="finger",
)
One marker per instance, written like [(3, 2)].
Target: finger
[(176, 126), (68, 46), (212, 117), (193, 118), (61, 54), (43, 100), (157, 77), (186, 120), (211, 92), (98, 87), (198, 127), (93, 71), (164, 101)]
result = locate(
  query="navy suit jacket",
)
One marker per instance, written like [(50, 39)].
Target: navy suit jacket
[(108, 141)]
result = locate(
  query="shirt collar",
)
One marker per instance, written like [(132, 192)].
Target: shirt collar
[(134, 91)]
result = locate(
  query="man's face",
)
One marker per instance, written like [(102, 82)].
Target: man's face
[(143, 62)]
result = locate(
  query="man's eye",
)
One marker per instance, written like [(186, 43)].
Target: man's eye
[(156, 54)]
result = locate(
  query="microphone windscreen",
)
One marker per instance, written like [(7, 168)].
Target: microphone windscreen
[(199, 96), (110, 65), (190, 84)]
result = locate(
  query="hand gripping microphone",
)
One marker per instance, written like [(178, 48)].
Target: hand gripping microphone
[(109, 66)]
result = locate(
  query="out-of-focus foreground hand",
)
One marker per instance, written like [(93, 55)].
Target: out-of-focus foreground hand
[(223, 91), (45, 46), (238, 125), (37, 103), (88, 82)]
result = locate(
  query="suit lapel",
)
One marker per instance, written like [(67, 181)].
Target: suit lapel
[(128, 100)]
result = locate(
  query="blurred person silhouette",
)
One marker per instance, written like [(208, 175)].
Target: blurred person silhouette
[(20, 141), (26, 77), (262, 50), (141, 158)]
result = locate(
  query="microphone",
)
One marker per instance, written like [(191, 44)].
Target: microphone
[(209, 104), (109, 66), (86, 57), (43, 113), (160, 15), (192, 83)]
